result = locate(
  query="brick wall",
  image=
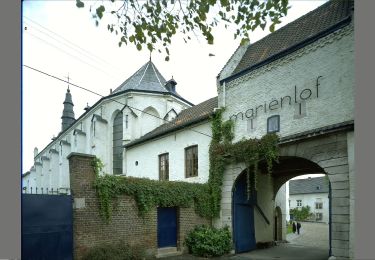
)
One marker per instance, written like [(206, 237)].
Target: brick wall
[(89, 229)]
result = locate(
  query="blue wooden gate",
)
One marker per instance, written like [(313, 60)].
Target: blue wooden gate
[(243, 217), (47, 230), (167, 227)]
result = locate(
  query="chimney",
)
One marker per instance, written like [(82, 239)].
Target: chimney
[(35, 152), (170, 85)]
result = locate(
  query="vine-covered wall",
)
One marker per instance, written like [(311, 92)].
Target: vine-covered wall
[(206, 198)]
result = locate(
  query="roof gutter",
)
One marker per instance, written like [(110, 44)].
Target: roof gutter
[(289, 50)]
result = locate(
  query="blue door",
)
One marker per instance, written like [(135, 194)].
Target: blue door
[(167, 227), (243, 217)]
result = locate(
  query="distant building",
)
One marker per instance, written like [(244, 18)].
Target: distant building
[(312, 192)]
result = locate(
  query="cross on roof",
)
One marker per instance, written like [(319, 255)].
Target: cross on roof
[(68, 80)]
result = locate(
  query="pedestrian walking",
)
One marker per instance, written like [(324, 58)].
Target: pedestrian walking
[(298, 227), (294, 227)]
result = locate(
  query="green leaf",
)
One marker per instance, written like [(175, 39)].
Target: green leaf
[(139, 46), (79, 4), (272, 27), (99, 11), (167, 58)]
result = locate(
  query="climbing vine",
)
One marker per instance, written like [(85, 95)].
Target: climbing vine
[(206, 198), (224, 152)]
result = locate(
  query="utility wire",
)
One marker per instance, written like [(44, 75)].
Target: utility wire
[(93, 92), (73, 56), (88, 54)]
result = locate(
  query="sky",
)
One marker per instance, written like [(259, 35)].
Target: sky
[(62, 40)]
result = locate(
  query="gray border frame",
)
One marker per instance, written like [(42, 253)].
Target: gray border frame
[(364, 130), (11, 135)]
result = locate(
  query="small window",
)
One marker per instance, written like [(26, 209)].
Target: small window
[(318, 187), (319, 216), (273, 124), (299, 203), (191, 161), (318, 205), (126, 121), (164, 167)]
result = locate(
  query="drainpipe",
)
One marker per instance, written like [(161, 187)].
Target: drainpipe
[(224, 94)]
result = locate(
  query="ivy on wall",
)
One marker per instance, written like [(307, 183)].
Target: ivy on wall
[(206, 198)]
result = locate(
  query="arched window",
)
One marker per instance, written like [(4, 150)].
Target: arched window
[(117, 144)]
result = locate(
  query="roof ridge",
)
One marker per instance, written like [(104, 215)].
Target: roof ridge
[(328, 14), (144, 72), (156, 74)]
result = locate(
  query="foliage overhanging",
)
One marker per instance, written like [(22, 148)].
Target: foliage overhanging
[(145, 23)]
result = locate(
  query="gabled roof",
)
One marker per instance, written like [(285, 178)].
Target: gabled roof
[(147, 78), (325, 19), (189, 116), (310, 185)]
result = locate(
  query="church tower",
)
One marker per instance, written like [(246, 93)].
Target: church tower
[(67, 117)]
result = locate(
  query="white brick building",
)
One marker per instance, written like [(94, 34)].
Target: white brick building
[(312, 192), (297, 81)]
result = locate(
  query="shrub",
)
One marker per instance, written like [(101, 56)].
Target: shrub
[(207, 241), (119, 251)]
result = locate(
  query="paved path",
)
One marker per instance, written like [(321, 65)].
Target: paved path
[(311, 244), (311, 234)]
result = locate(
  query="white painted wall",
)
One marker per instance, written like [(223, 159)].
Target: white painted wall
[(331, 57), (280, 201), (309, 200), (147, 155), (55, 173), (331, 102)]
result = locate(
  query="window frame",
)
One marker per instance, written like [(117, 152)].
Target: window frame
[(277, 117), (320, 216), (191, 165), (164, 175), (320, 205), (299, 204)]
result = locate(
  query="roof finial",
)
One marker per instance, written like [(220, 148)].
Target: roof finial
[(150, 55), (68, 82)]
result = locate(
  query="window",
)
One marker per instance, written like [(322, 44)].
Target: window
[(318, 205), (191, 161), (273, 124), (164, 167), (299, 203), (318, 216), (126, 121), (117, 144)]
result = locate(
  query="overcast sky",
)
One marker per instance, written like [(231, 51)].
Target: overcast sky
[(60, 39)]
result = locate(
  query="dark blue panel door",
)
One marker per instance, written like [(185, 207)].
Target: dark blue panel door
[(47, 230), (167, 227), (243, 217)]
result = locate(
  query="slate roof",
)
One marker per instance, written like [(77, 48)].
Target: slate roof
[(310, 185), (308, 26), (147, 78), (187, 117)]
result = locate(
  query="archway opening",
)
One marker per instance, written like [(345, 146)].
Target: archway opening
[(271, 206)]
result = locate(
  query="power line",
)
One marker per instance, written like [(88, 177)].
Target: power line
[(93, 92), (73, 56), (88, 54)]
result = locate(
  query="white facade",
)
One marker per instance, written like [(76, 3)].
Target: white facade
[(322, 73), (92, 133), (147, 154), (310, 90), (311, 200)]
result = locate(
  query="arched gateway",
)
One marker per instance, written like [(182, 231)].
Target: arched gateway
[(327, 153)]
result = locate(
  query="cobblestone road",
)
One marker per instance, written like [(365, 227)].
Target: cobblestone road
[(311, 244), (312, 235)]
